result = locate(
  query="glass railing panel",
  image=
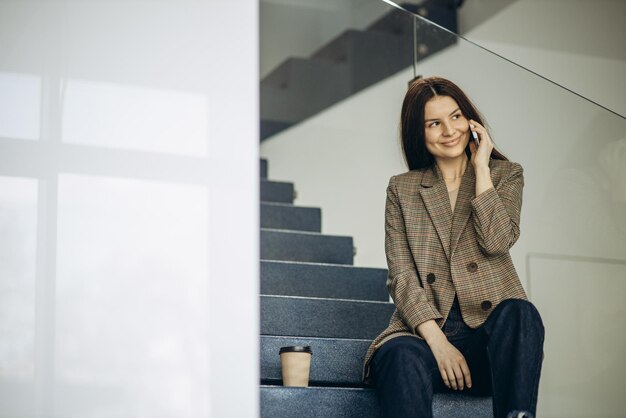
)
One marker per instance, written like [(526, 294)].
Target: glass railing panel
[(571, 255), (298, 29), (545, 37), (338, 64)]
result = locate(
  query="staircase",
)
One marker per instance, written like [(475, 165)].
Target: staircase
[(311, 294), (301, 87)]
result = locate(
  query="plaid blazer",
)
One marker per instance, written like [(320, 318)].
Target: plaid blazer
[(433, 253)]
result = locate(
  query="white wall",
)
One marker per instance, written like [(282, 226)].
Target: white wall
[(572, 251), (579, 44), (129, 209)]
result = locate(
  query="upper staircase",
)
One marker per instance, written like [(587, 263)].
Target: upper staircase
[(301, 87)]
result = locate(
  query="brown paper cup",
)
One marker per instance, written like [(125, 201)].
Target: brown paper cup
[(295, 363)]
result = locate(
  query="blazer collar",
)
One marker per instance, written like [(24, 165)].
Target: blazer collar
[(449, 226), (463, 206)]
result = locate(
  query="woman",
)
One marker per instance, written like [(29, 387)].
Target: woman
[(462, 320)]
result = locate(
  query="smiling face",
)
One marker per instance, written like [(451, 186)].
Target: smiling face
[(446, 130)]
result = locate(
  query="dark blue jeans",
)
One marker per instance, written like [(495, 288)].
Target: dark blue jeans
[(504, 356)]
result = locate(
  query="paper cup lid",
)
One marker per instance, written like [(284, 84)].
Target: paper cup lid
[(296, 349)]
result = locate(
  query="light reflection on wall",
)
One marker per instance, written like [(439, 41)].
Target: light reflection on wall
[(132, 297), (20, 106), (18, 229), (138, 118), (135, 112), (582, 306), (585, 209)]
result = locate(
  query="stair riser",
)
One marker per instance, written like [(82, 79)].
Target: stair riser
[(291, 217), (277, 245), (323, 281), (273, 191), (335, 362), (302, 317)]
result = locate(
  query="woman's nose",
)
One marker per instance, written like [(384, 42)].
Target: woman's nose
[(448, 128)]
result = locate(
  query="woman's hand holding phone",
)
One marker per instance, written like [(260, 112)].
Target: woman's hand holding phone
[(480, 147)]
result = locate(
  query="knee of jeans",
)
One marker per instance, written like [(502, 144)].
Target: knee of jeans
[(406, 356), (524, 311)]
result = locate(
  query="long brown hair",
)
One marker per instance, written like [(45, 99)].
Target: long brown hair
[(412, 132)]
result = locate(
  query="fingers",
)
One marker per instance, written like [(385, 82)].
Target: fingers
[(483, 151), (457, 375), (451, 378), (472, 147), (466, 374), (444, 377), (460, 384), (480, 130)]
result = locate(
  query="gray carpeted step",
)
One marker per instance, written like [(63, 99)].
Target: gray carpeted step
[(276, 191), (317, 402), (263, 168), (305, 246), (335, 361), (327, 318), (323, 281), (332, 402), (286, 216)]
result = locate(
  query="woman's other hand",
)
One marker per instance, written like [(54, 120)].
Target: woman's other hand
[(452, 365), (480, 156)]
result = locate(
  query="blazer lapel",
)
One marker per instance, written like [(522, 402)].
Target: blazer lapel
[(463, 207), (435, 196)]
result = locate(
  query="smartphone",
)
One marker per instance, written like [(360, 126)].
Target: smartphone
[(476, 140)]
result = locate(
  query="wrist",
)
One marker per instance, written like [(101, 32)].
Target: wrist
[(482, 169), (435, 339)]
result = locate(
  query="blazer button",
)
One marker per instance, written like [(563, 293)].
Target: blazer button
[(430, 278), (486, 305), (472, 267)]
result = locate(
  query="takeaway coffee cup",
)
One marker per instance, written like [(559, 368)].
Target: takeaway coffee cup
[(295, 363)]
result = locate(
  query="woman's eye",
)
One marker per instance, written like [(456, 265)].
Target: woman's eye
[(433, 124), (456, 116)]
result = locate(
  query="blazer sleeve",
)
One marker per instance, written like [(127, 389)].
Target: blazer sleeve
[(496, 213), (403, 283)]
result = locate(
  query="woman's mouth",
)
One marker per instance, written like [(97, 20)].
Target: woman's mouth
[(452, 142)]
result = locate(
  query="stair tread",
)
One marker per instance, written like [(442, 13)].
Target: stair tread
[(323, 402), (374, 302), (319, 234)]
